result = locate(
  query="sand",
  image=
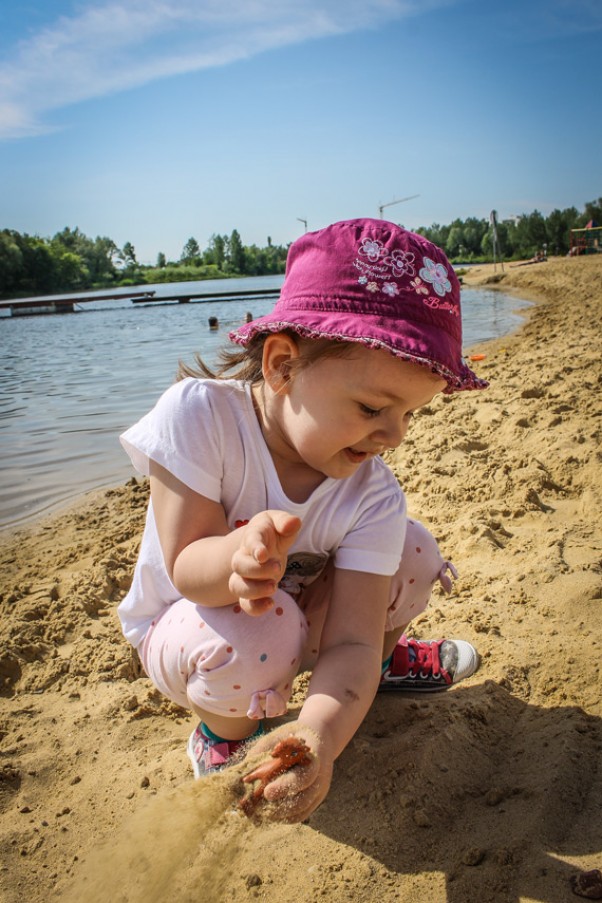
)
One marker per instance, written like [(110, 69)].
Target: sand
[(489, 792)]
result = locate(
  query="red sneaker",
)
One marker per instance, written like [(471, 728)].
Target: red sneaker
[(426, 666)]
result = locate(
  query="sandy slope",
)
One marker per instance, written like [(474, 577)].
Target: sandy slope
[(490, 792)]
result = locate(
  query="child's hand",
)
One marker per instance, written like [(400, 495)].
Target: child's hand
[(260, 560), (294, 795)]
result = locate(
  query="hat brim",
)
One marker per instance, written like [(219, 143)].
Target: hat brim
[(383, 336)]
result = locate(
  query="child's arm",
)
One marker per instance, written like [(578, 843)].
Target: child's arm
[(341, 690), (346, 675), (207, 562)]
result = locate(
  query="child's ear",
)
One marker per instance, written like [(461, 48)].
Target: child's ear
[(279, 353)]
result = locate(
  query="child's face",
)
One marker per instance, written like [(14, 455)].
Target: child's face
[(339, 412)]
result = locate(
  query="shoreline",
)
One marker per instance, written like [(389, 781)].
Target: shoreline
[(489, 792), (68, 502)]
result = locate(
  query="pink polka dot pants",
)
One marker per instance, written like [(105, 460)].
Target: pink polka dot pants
[(224, 661), (422, 565)]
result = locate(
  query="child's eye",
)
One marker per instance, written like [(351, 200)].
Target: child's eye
[(369, 412)]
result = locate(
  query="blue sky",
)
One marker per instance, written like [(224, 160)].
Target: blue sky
[(151, 121)]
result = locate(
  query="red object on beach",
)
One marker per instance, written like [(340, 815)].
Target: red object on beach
[(477, 357), (285, 755)]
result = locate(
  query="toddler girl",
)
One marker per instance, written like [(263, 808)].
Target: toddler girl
[(277, 538)]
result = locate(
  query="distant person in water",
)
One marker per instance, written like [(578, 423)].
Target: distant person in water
[(248, 317), (277, 540), (213, 323)]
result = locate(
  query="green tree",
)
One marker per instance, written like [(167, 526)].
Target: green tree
[(69, 272), (558, 228), (216, 251), (236, 253), (161, 260), (256, 260), (128, 255), (11, 262), (593, 210), (97, 256), (531, 234), (70, 239), (38, 265), (100, 257), (454, 246), (191, 253), (474, 230)]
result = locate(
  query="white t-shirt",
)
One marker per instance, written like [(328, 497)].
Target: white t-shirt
[(207, 434)]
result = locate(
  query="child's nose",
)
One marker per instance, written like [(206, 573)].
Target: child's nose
[(391, 434)]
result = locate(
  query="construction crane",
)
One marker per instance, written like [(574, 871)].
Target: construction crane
[(400, 201)]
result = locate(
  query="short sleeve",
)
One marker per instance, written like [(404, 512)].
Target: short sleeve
[(374, 542), (182, 434)]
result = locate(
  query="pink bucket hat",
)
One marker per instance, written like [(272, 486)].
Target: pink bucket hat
[(372, 282)]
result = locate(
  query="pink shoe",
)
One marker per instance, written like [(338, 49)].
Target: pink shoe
[(209, 754)]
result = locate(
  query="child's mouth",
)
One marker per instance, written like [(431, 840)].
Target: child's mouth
[(356, 456)]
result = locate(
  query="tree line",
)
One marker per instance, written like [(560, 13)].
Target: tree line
[(471, 240), (71, 261)]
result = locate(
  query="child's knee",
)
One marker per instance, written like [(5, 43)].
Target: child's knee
[(246, 665)]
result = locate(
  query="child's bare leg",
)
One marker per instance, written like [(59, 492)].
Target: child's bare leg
[(232, 728), (391, 640)]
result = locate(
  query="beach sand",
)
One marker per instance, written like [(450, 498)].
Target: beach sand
[(489, 792)]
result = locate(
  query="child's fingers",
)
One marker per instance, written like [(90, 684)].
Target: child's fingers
[(256, 607), (292, 798), (248, 588), (250, 569), (271, 534), (260, 552), (293, 782), (259, 541), (286, 525)]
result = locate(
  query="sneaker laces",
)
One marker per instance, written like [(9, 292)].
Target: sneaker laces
[(428, 664), (423, 658)]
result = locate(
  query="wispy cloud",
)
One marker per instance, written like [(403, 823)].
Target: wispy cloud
[(112, 46)]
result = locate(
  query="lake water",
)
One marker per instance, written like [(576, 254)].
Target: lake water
[(71, 383)]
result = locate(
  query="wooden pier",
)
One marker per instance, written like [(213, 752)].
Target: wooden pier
[(50, 304), (187, 297), (63, 304)]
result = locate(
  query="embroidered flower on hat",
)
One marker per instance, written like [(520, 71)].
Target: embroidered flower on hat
[(372, 248), (436, 274), (391, 289), (401, 262), (372, 287)]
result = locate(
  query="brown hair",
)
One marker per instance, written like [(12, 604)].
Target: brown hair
[(246, 363)]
